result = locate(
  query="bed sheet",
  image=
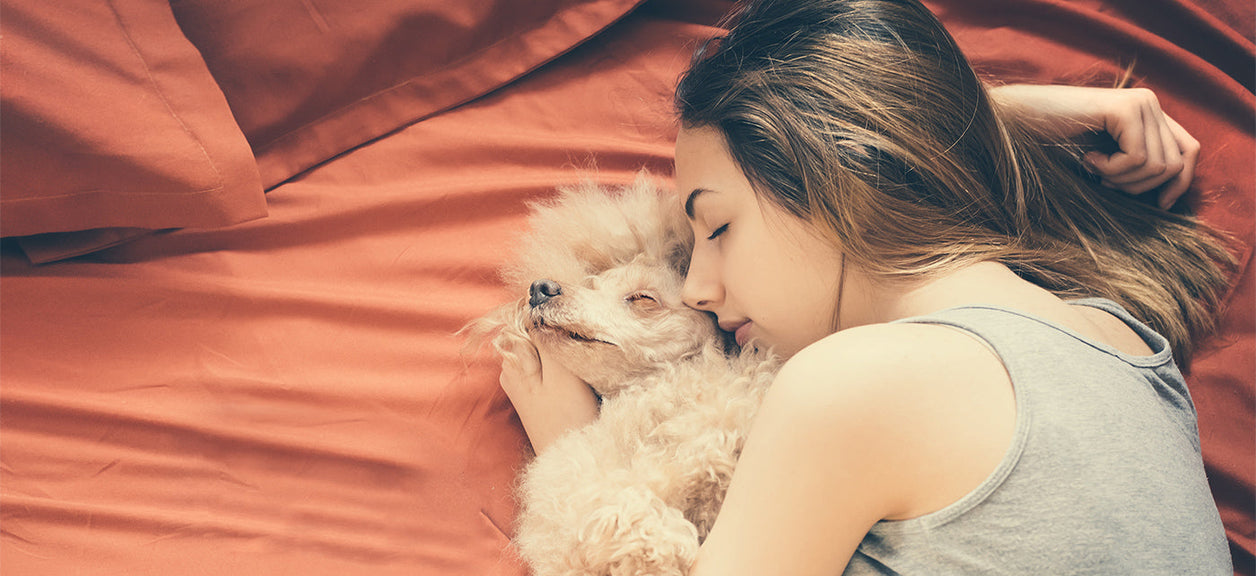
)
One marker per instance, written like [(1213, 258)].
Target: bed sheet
[(288, 396)]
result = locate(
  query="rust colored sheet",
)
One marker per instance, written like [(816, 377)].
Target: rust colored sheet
[(287, 396)]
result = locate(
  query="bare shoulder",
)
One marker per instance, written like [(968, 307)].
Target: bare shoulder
[(859, 427), (902, 356), (926, 401)]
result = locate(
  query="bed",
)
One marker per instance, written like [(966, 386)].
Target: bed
[(240, 236)]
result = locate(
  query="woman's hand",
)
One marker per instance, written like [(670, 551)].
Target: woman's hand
[(549, 399), (1154, 151)]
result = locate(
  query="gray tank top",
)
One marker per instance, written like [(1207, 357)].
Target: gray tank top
[(1103, 476)]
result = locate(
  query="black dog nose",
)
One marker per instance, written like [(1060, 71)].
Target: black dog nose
[(541, 291)]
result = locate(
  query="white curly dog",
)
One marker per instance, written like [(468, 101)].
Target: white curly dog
[(599, 278)]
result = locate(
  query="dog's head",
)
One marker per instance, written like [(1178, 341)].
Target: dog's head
[(599, 281), (626, 321)]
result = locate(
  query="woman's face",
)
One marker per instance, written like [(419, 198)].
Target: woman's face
[(766, 274)]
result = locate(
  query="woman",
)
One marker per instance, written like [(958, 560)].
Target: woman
[(965, 390)]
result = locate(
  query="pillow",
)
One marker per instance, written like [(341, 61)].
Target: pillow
[(309, 80), (113, 126)]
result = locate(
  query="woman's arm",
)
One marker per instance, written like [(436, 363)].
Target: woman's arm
[(807, 488), (1155, 152), (549, 399), (857, 428)]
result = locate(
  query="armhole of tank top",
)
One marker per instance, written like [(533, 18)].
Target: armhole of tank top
[(993, 481)]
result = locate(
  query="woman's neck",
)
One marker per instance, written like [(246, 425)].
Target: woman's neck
[(866, 301)]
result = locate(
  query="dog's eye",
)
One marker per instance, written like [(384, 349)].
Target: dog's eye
[(643, 300)]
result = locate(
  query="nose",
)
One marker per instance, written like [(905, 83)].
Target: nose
[(702, 289), (542, 291)]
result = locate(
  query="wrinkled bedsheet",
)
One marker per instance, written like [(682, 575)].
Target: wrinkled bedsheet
[(288, 395)]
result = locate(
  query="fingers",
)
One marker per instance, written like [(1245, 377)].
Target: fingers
[(1154, 145), (1125, 125), (528, 366), (1173, 163), (1189, 147), (521, 366), (519, 352), (556, 373), (1164, 163), (1154, 151), (547, 398)]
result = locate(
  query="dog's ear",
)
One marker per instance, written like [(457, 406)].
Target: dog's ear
[(679, 238), (668, 235)]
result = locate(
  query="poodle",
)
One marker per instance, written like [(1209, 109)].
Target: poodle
[(599, 280)]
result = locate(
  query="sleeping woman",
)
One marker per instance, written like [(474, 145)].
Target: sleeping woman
[(983, 336)]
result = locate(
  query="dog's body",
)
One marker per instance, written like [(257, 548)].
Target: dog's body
[(636, 491)]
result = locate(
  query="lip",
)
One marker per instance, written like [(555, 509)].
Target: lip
[(740, 330), (542, 325)]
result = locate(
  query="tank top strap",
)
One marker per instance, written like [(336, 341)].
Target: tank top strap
[(1030, 347), (1012, 333), (1103, 471)]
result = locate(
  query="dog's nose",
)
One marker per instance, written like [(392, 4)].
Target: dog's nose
[(541, 292)]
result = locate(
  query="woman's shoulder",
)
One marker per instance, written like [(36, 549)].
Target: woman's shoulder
[(928, 401), (895, 353), (889, 369)]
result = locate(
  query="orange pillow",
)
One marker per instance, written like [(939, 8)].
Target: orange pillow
[(308, 81), (113, 127)]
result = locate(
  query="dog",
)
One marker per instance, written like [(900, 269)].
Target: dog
[(599, 280)]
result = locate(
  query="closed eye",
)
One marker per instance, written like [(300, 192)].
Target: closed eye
[(718, 232), (644, 302)]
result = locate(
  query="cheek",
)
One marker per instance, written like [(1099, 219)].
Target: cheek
[(795, 287), (738, 263), (754, 273), (816, 297)]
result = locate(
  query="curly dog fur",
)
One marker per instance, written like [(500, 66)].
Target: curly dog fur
[(636, 491)]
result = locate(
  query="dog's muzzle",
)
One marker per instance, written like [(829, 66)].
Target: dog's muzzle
[(542, 291)]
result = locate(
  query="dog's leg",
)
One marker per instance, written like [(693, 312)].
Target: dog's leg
[(585, 513), (636, 533)]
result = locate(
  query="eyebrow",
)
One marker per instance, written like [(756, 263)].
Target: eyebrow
[(689, 201)]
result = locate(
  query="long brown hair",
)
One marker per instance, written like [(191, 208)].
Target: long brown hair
[(864, 118)]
